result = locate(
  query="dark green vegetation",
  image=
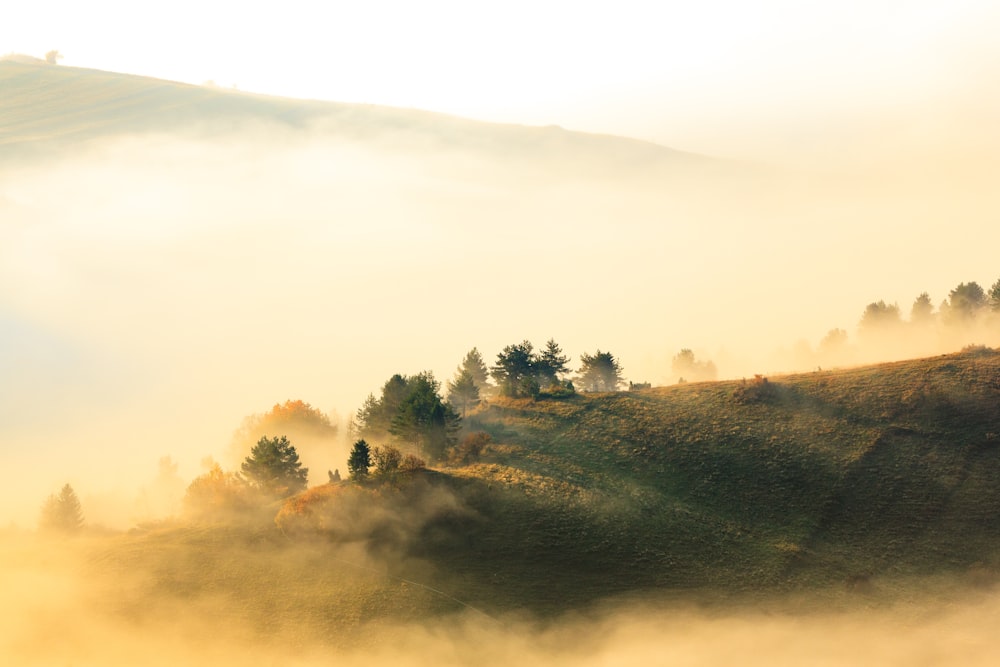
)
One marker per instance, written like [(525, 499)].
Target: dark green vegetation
[(828, 481)]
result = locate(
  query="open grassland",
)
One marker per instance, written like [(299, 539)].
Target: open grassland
[(876, 483)]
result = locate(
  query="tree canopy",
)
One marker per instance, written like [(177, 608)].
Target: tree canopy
[(474, 365), (599, 372), (551, 364), (688, 369), (273, 467), (515, 370), (62, 513), (411, 409), (360, 460), (965, 301), (463, 393)]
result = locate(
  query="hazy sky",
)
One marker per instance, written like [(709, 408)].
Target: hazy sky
[(722, 76)]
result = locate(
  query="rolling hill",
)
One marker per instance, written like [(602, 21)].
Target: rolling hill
[(47, 108), (866, 481)]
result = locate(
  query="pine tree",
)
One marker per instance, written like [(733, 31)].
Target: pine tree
[(476, 367), (463, 392), (551, 364), (62, 513), (600, 372), (360, 461), (273, 467)]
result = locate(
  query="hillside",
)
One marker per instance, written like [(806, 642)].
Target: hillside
[(863, 482), (46, 108)]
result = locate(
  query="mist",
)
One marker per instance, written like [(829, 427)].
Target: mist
[(158, 288), (63, 605)]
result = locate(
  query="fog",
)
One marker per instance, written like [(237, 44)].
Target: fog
[(156, 289), (60, 609)]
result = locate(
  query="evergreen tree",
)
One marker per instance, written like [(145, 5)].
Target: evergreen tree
[(995, 296), (273, 467), (360, 461), (552, 364), (515, 370), (476, 367), (62, 513), (599, 372), (424, 419), (463, 392), (922, 311), (965, 302)]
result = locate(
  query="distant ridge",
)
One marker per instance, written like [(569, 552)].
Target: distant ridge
[(45, 107)]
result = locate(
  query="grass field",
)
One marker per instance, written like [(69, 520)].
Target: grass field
[(876, 481)]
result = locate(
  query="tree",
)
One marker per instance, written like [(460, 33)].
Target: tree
[(476, 367), (217, 494), (360, 461), (311, 430), (965, 302), (387, 460), (922, 311), (375, 416), (411, 409), (687, 369), (424, 419), (599, 372), (53, 57), (515, 370), (273, 467), (463, 392), (62, 513), (879, 318), (551, 364), (995, 296)]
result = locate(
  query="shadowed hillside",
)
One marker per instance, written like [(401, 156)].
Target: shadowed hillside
[(867, 481)]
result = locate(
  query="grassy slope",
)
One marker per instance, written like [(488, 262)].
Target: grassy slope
[(47, 108), (890, 472)]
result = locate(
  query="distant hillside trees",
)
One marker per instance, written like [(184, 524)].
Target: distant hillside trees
[(515, 370), (273, 467), (551, 365), (922, 311), (62, 513), (995, 297), (520, 371), (879, 317), (309, 428), (411, 410), (218, 494), (360, 461), (964, 303), (599, 372), (474, 365), (463, 394), (688, 369)]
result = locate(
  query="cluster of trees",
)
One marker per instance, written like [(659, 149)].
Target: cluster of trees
[(411, 410), (380, 462), (969, 314), (966, 303), (688, 369), (520, 371)]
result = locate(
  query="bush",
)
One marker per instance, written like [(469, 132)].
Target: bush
[(757, 390), (470, 448)]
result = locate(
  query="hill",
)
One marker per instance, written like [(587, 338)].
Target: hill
[(837, 483), (47, 108)]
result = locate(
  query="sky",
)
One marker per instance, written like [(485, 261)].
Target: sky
[(724, 77), (174, 287)]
